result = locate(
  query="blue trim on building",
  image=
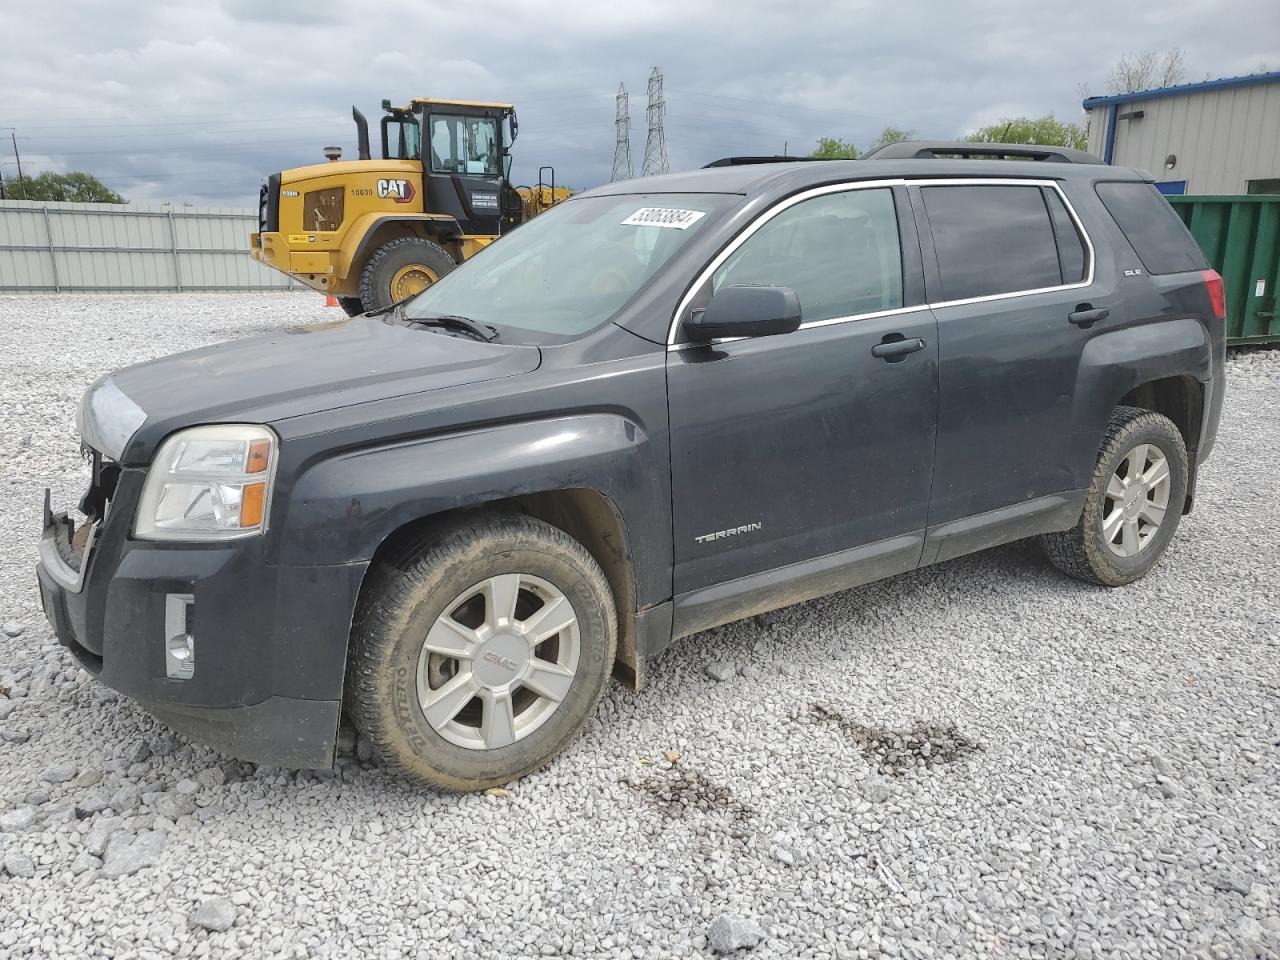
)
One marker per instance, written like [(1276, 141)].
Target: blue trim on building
[(1109, 144), (1204, 87)]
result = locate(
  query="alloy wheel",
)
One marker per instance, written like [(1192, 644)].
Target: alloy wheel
[(1136, 500), (498, 661)]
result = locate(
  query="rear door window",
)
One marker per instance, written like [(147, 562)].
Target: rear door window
[(1158, 237), (840, 253), (991, 239)]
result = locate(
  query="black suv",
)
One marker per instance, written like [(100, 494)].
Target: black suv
[(664, 405)]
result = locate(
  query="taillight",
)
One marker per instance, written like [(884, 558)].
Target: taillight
[(1217, 295)]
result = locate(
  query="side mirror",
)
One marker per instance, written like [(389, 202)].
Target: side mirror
[(745, 310)]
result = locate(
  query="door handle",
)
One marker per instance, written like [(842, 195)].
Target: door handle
[(1086, 316), (892, 350)]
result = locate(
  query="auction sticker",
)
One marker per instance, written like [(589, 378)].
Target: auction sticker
[(664, 217)]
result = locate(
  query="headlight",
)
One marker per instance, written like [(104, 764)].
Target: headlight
[(209, 483)]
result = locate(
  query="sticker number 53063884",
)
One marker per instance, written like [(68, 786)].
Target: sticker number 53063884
[(664, 217)]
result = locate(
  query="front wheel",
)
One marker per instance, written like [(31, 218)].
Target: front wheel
[(401, 268), (1133, 504), (480, 655)]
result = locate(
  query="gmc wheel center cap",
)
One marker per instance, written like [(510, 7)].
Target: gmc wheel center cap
[(501, 660), (1133, 500)]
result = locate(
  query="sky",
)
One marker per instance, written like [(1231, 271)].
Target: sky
[(195, 101)]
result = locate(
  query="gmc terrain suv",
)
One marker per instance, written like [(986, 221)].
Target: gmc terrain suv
[(664, 405)]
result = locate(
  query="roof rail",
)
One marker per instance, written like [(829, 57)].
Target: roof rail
[(963, 149), (743, 161)]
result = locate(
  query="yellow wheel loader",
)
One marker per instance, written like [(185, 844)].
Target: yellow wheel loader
[(372, 232)]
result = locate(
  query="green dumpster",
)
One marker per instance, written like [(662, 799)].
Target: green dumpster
[(1241, 238)]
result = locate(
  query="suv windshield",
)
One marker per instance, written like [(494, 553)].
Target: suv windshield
[(572, 268)]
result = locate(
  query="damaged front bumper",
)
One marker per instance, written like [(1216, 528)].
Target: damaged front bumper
[(269, 642)]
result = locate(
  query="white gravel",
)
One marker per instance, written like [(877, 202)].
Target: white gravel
[(1076, 772)]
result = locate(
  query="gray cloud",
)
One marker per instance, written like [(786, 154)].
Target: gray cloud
[(196, 101)]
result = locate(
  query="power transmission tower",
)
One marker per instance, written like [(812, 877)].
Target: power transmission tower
[(622, 148), (655, 144)]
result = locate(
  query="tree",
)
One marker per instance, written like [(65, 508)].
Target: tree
[(1146, 71), (892, 135), (829, 148), (1047, 131), (61, 187)]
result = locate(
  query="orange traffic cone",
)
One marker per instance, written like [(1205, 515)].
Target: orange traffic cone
[(330, 300)]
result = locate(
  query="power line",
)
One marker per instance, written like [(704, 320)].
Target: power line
[(39, 112), (655, 143), (22, 184), (532, 106), (95, 137), (194, 148), (622, 145), (787, 107), (201, 122)]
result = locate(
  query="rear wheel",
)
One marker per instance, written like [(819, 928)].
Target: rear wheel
[(477, 657), (399, 269), (353, 306), (1133, 505)]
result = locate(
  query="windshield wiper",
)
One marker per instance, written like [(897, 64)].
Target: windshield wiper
[(396, 308), (451, 321)]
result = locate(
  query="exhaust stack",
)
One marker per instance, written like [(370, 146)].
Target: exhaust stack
[(362, 134)]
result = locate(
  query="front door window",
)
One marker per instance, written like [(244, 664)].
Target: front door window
[(465, 145), (839, 252)]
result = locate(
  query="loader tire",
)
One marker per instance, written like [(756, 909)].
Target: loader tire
[(351, 306), (399, 269)]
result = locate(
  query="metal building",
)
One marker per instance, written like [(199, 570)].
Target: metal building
[(1215, 137)]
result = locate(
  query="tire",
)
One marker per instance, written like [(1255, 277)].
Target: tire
[(1090, 551), (464, 748), (381, 269), (353, 306)]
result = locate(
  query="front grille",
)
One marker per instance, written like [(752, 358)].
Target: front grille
[(269, 205)]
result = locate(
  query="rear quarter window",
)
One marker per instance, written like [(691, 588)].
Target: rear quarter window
[(1154, 231)]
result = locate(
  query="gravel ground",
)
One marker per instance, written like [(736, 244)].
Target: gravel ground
[(980, 758)]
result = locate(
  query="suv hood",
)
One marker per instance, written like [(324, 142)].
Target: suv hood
[(297, 371)]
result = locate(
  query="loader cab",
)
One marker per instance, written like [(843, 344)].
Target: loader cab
[(464, 147)]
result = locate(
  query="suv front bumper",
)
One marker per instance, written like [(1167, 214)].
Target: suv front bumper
[(270, 642)]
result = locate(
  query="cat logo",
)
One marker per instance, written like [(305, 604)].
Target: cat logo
[(401, 191)]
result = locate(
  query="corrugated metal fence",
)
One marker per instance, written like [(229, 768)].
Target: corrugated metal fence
[(62, 247)]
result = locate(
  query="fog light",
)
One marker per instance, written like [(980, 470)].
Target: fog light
[(179, 643)]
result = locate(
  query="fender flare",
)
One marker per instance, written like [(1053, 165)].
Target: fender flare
[(1117, 361), (440, 226)]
